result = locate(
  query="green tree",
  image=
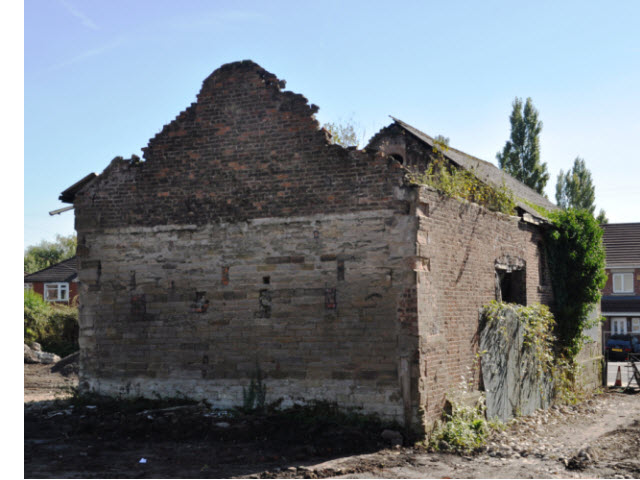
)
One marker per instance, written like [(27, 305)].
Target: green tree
[(577, 260), (520, 156), (575, 189), (602, 217), (343, 134), (45, 254)]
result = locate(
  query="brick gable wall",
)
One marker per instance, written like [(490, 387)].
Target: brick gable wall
[(246, 149)]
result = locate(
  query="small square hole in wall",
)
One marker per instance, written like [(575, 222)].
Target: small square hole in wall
[(266, 280)]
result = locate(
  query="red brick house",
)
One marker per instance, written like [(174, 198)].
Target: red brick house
[(57, 283), (621, 295)]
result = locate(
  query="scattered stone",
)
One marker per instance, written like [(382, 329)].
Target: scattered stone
[(443, 445), (68, 365), (35, 356)]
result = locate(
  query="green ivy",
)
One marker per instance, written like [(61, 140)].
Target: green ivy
[(577, 261), (538, 324)]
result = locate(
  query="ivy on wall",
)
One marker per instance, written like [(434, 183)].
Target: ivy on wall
[(577, 261)]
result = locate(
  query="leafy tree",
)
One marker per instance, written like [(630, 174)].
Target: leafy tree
[(520, 156), (575, 189), (45, 254), (602, 217), (343, 134)]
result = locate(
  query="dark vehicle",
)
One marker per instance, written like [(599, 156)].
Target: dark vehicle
[(618, 347)]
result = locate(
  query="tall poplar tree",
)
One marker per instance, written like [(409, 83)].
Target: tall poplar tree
[(520, 156), (575, 189)]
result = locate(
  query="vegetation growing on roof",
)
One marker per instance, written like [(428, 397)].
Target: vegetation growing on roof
[(545, 213), (457, 182)]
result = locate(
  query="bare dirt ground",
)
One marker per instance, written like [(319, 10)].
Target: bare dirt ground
[(597, 439), (41, 384)]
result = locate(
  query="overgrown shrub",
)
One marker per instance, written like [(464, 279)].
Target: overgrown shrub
[(55, 327), (577, 261)]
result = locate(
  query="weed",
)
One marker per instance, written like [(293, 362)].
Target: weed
[(464, 429), (456, 182), (254, 398)]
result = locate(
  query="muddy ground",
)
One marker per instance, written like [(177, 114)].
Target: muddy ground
[(70, 439)]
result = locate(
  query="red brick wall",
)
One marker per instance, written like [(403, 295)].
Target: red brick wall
[(246, 149), (608, 288), (458, 244)]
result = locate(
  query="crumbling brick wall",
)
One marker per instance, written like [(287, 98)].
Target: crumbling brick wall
[(244, 150), (459, 245), (246, 240)]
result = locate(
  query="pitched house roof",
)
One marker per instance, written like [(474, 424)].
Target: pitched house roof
[(488, 173), (622, 244), (65, 271)]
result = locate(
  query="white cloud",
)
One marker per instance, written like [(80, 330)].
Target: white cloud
[(88, 54), (86, 21)]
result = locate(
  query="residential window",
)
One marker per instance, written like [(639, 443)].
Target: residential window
[(618, 326), (623, 282), (635, 325), (56, 292), (28, 286)]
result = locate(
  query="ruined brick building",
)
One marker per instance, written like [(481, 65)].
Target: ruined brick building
[(245, 238)]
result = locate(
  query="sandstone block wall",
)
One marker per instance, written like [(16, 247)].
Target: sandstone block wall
[(311, 300)]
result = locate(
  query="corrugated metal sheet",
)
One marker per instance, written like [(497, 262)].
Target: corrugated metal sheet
[(622, 243)]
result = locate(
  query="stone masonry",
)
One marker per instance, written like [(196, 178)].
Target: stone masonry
[(245, 240)]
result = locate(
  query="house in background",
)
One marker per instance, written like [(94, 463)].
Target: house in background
[(57, 283), (621, 295)]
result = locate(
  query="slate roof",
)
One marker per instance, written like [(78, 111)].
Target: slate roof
[(488, 173), (65, 271), (626, 304), (622, 243)]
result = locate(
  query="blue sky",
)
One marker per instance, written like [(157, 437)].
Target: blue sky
[(102, 77)]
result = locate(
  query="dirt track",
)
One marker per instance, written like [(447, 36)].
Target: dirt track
[(598, 439)]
